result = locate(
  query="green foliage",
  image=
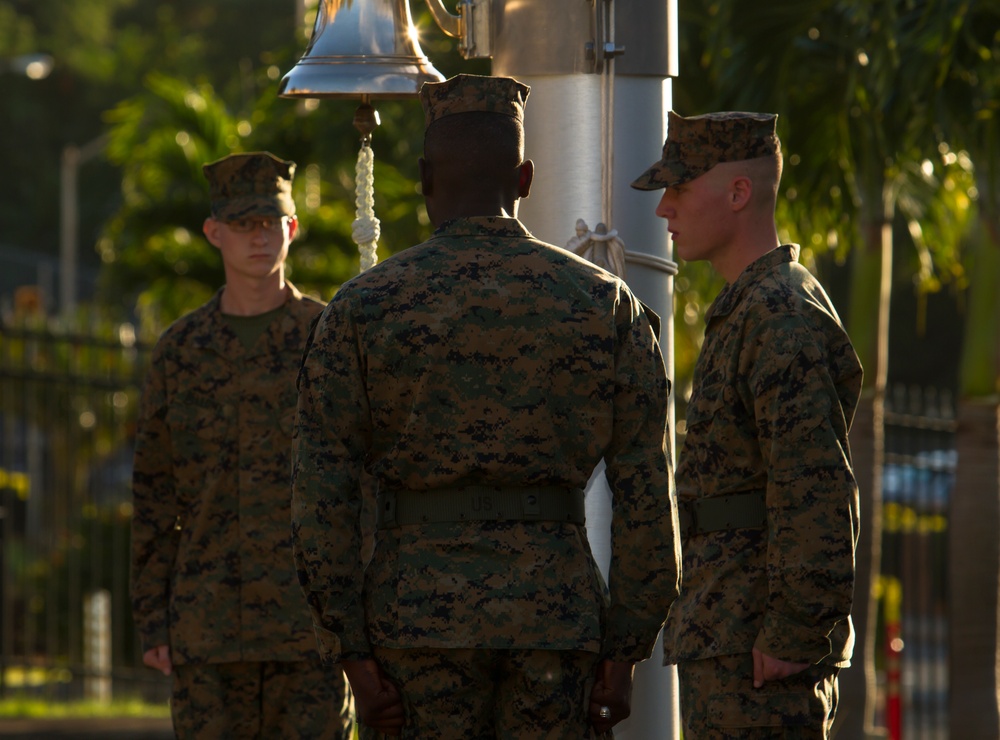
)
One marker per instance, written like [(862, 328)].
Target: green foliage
[(27, 707), (103, 51), (153, 252), (155, 260), (850, 82), (152, 249), (868, 94), (858, 88), (694, 288)]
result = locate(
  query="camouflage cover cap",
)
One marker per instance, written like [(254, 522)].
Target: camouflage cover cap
[(695, 145), (473, 93), (251, 184)]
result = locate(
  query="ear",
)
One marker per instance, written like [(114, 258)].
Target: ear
[(740, 192), (525, 175), (293, 228), (426, 177), (211, 229)]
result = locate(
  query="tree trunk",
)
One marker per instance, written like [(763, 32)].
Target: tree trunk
[(981, 344), (974, 553), (866, 272), (871, 296), (858, 683), (974, 574)]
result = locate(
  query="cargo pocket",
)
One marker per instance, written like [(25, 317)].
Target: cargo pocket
[(764, 709), (804, 699)]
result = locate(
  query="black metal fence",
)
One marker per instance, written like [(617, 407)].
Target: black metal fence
[(67, 422), (918, 478)]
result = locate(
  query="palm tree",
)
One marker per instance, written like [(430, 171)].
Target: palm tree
[(160, 139), (155, 259), (968, 104)]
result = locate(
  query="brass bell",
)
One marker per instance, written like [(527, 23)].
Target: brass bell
[(361, 48)]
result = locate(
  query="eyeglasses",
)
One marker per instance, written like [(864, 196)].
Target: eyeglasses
[(247, 225)]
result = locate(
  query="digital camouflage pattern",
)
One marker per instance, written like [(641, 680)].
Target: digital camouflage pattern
[(306, 700), (473, 94), (696, 144), (719, 703), (252, 184), (775, 389), (212, 569), (484, 356), (538, 694)]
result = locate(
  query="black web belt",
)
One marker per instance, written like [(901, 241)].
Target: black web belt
[(746, 510), (480, 503)]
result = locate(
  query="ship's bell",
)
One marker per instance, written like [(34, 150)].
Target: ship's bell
[(361, 48)]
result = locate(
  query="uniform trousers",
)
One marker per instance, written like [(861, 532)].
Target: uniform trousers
[(302, 700), (719, 702), (491, 694)]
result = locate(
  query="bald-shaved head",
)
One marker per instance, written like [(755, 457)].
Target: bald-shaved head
[(478, 148)]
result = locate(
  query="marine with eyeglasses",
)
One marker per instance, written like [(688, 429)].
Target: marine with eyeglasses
[(216, 600)]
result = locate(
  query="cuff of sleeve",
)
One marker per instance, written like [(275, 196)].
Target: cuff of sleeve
[(335, 647), (626, 647), (339, 628), (153, 636), (787, 640), (328, 643)]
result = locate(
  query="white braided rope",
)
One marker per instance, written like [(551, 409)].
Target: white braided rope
[(605, 250), (365, 229)]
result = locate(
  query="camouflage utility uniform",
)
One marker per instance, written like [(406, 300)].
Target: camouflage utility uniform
[(213, 575), (484, 357), (775, 390)]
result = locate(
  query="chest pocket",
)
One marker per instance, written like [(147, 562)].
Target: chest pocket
[(721, 450), (704, 407), (200, 426)]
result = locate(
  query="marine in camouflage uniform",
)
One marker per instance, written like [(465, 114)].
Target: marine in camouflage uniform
[(480, 377), (215, 597), (766, 492)]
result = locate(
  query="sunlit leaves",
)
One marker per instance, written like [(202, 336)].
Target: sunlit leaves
[(866, 93)]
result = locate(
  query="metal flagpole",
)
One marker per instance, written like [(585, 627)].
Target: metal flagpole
[(568, 72)]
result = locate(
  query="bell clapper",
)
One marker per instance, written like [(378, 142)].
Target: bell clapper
[(365, 120)]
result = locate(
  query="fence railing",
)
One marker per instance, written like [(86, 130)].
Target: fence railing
[(67, 423), (918, 478)]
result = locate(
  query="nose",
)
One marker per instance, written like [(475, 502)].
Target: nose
[(259, 233), (665, 207)]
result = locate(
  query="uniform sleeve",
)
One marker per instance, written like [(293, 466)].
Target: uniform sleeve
[(644, 575), (812, 498), (154, 512), (332, 434)]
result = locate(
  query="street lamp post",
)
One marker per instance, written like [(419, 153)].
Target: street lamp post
[(69, 218), (38, 67)]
